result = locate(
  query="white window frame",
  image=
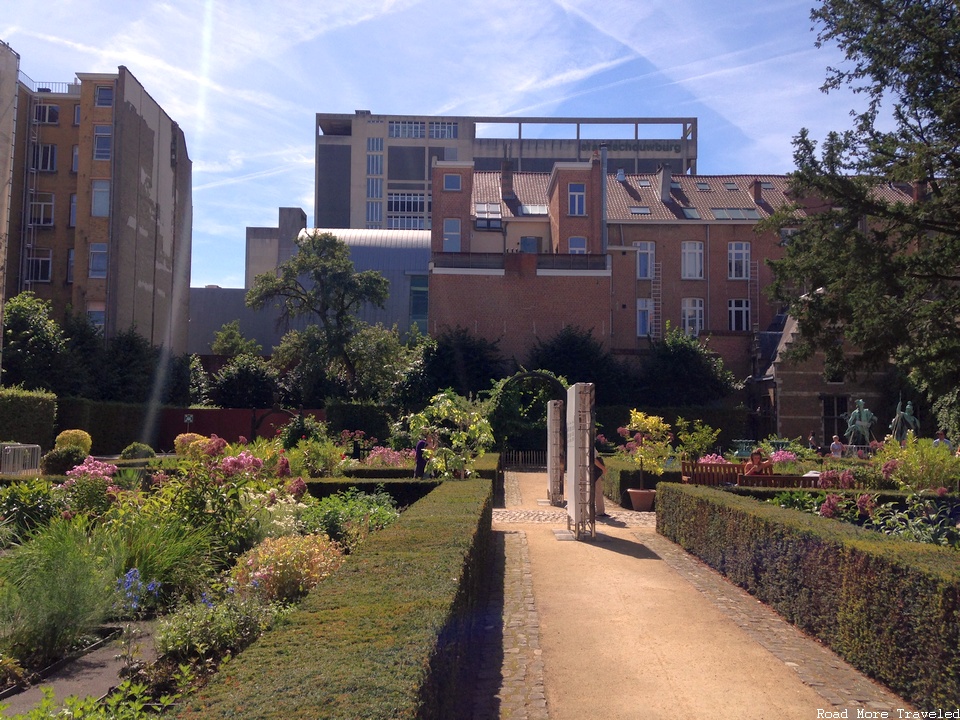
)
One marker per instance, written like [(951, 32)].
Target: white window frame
[(73, 210), (452, 237), (375, 188), (46, 114), (691, 316), (489, 216), (100, 198), (577, 197), (374, 164), (97, 267), (443, 130), (407, 129), (75, 161), (103, 96), (452, 182), (646, 257), (577, 245), (76, 114), (39, 265), (44, 157), (71, 254), (375, 144), (42, 209), (738, 261), (691, 260), (102, 142), (738, 315), (374, 212), (644, 317)]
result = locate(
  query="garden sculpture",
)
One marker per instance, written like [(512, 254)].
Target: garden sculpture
[(903, 422), (858, 425)]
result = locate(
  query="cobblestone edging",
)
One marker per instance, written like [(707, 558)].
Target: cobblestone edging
[(836, 681)]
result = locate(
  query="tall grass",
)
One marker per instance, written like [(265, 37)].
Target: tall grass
[(54, 589)]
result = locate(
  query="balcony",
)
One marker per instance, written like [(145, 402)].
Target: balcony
[(522, 262)]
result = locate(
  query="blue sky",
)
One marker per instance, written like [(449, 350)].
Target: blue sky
[(245, 79)]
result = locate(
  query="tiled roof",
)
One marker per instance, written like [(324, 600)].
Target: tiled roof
[(694, 198)]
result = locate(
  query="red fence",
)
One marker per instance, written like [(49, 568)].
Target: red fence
[(231, 424)]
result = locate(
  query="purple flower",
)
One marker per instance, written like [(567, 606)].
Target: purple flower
[(831, 506), (865, 504)]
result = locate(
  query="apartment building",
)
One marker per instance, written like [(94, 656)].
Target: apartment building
[(374, 171), (516, 256), (100, 203)]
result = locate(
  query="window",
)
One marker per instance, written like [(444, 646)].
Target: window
[(577, 245), (451, 182), (405, 222), (834, 415), (646, 254), (735, 213), (375, 188), (529, 244), (691, 260), (374, 213), (98, 260), (75, 163), (404, 202), (44, 158), (73, 210), (691, 316), (418, 301), (374, 164), (738, 261), (406, 129), (104, 96), (766, 186), (451, 234), (488, 216), (644, 316), (578, 198), (443, 130), (39, 263), (643, 183), (70, 256), (102, 142), (41, 209), (100, 198), (97, 318), (730, 185), (639, 210), (374, 144), (76, 114), (691, 213), (703, 186), (47, 114), (738, 313), (786, 234)]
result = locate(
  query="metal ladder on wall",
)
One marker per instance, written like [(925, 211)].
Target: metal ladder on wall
[(28, 232), (656, 291)]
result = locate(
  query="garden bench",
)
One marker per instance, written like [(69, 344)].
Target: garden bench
[(710, 473), (778, 481)]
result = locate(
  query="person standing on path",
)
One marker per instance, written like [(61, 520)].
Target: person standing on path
[(599, 472)]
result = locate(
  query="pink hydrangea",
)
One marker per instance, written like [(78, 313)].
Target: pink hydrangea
[(783, 456), (831, 506), (297, 488), (244, 463), (713, 459), (865, 504), (92, 468)]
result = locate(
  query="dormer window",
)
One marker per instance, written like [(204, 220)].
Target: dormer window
[(489, 216)]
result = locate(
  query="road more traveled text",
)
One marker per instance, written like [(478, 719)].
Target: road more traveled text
[(898, 714)]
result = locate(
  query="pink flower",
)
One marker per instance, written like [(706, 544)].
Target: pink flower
[(713, 459), (831, 506), (283, 467), (865, 504), (297, 488)]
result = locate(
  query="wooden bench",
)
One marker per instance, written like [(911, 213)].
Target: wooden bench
[(710, 473), (778, 481)]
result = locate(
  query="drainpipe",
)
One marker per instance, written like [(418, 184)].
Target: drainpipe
[(603, 197)]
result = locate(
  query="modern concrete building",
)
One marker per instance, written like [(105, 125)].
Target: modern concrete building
[(100, 196), (373, 171)]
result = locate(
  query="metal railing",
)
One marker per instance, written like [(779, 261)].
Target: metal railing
[(20, 459), (524, 460)]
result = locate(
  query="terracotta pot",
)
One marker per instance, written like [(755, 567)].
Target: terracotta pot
[(642, 500)]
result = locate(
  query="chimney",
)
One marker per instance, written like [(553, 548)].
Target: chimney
[(919, 191), (621, 176), (663, 180), (756, 188), (506, 180)]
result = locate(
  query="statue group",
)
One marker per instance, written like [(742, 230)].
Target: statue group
[(859, 423), (904, 421)]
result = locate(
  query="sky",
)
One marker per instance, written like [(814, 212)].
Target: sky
[(245, 78)]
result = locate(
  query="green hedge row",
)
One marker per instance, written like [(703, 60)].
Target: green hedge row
[(28, 417), (112, 425), (387, 636), (890, 608)]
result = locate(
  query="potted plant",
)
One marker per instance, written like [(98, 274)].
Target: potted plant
[(650, 449)]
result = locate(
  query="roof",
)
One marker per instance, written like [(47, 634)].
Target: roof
[(636, 198), (395, 239)]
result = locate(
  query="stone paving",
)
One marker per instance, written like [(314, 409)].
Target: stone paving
[(511, 679)]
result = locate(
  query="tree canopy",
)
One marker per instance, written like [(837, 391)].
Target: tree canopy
[(320, 281), (875, 263)]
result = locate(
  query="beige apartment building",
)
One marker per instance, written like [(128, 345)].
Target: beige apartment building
[(100, 202), (374, 171)]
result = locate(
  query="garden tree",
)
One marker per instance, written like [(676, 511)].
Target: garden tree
[(461, 431), (462, 361), (518, 408), (199, 383), (247, 381), (681, 371), (229, 341), (33, 345), (320, 281), (870, 279), (383, 360), (650, 447), (84, 357), (577, 356), (301, 364), (178, 380), (130, 362)]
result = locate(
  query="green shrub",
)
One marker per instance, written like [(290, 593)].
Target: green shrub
[(55, 589), (300, 429), (25, 506), (350, 515), (61, 459), (75, 438), (183, 442), (209, 630), (137, 451), (319, 457), (284, 569)]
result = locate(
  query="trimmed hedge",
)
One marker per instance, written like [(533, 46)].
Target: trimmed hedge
[(387, 636), (112, 425), (28, 417), (891, 608)]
